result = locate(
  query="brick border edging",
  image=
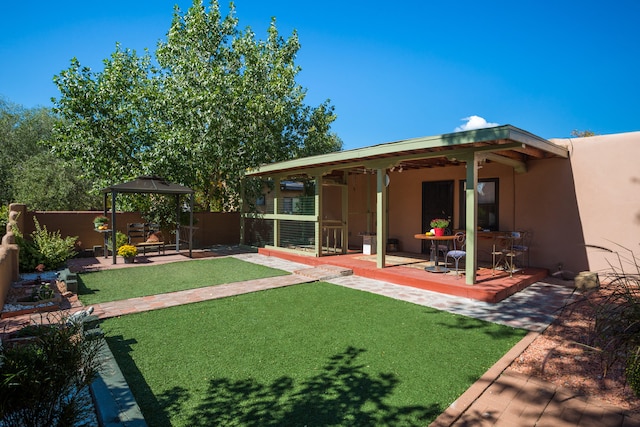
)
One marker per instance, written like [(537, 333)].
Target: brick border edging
[(461, 404)]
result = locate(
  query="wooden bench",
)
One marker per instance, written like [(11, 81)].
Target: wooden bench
[(145, 236)]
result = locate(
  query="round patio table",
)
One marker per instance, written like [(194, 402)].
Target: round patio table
[(436, 268)]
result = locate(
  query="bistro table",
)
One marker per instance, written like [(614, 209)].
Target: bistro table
[(436, 268), (105, 240)]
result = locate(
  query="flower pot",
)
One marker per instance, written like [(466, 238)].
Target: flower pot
[(129, 259), (438, 231)]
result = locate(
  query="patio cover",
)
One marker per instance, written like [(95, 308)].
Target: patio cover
[(505, 144), (150, 184)]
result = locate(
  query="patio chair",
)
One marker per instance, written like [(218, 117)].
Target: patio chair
[(458, 252), (519, 246)]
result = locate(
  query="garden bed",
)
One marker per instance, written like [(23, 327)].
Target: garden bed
[(24, 297), (564, 355)]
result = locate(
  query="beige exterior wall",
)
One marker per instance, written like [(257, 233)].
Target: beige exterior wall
[(604, 208)]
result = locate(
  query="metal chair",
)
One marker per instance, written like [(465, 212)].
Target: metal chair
[(518, 247), (458, 252)]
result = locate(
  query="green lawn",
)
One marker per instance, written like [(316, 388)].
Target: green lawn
[(124, 283), (314, 354)]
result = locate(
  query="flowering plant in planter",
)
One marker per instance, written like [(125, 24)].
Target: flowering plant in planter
[(439, 223), (127, 251), (100, 221)]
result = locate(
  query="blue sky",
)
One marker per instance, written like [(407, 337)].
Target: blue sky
[(392, 70)]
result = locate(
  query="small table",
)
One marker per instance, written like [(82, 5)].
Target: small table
[(105, 234), (436, 267)]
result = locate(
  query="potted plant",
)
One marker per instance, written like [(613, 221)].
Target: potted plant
[(128, 252), (100, 222), (438, 225)]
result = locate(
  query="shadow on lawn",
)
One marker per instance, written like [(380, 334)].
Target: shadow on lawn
[(341, 393), (82, 288)]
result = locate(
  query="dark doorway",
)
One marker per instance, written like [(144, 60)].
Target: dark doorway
[(437, 202)]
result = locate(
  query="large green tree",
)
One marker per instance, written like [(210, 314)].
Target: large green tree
[(21, 131), (218, 101), (45, 182), (28, 172), (106, 118)]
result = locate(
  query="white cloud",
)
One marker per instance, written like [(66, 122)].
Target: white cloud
[(475, 122)]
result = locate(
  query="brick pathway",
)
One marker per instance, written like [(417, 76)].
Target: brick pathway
[(172, 299)]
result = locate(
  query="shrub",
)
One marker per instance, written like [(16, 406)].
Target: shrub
[(617, 316), (4, 219), (633, 371), (121, 240), (41, 378), (49, 249)]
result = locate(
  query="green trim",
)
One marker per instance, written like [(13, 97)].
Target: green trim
[(290, 217), (455, 144)]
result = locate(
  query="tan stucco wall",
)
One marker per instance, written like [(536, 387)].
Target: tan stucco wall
[(9, 253), (212, 227), (405, 201), (606, 174), (6, 273)]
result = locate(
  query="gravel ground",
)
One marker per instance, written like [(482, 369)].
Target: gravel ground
[(562, 356)]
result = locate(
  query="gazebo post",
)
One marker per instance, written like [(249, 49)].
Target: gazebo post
[(113, 225), (191, 225), (177, 223)]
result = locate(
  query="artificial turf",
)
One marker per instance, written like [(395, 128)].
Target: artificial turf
[(124, 283), (314, 354)]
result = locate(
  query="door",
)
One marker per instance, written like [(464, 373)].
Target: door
[(437, 202)]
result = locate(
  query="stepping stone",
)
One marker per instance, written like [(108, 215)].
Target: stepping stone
[(324, 272)]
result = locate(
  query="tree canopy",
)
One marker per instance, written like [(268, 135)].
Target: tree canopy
[(28, 172), (20, 132), (213, 102), (582, 133)]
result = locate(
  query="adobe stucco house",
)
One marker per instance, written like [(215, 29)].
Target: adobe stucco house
[(574, 195)]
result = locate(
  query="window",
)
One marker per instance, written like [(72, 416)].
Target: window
[(487, 204)]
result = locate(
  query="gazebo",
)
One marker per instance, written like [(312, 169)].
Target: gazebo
[(150, 184)]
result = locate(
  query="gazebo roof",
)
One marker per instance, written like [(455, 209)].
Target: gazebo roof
[(148, 184)]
